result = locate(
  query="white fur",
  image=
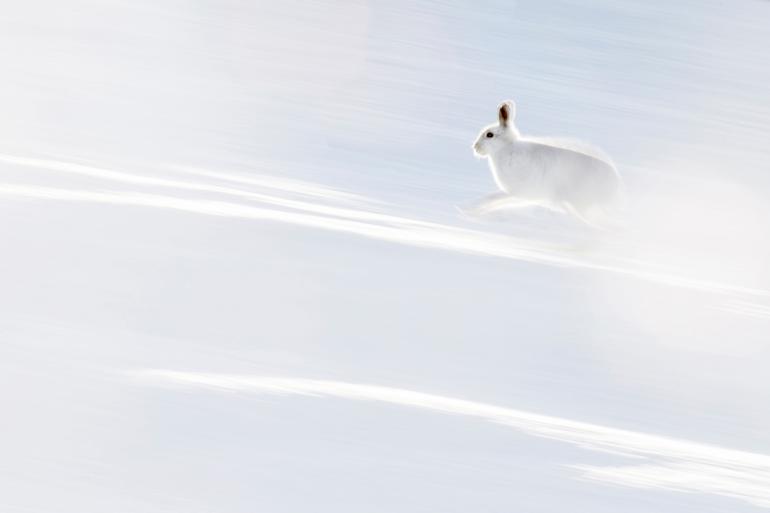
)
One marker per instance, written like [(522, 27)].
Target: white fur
[(570, 177)]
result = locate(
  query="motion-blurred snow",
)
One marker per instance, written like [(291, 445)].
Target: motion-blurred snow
[(260, 198)]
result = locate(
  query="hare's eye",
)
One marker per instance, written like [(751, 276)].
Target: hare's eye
[(490, 134)]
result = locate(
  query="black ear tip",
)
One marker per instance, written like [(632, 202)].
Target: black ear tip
[(507, 111), (504, 110)]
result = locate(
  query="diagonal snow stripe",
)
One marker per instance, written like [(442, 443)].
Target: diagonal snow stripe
[(669, 463), (384, 227)]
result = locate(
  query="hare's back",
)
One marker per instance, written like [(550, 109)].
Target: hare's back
[(571, 173), (571, 164)]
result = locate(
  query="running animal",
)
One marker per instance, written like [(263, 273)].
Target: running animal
[(542, 172)]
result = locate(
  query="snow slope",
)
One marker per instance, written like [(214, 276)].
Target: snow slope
[(234, 278)]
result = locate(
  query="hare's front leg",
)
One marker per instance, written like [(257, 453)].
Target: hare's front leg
[(593, 215), (495, 202)]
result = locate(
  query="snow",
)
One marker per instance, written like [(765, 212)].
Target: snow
[(234, 277)]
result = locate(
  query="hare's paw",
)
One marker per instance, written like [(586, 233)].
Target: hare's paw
[(481, 207), (471, 213)]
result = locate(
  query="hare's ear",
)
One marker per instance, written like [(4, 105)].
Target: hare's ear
[(506, 112)]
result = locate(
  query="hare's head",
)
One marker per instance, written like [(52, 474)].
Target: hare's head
[(494, 137)]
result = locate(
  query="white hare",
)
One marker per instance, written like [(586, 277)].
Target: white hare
[(546, 173)]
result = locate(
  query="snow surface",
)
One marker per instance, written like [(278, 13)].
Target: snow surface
[(234, 278)]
